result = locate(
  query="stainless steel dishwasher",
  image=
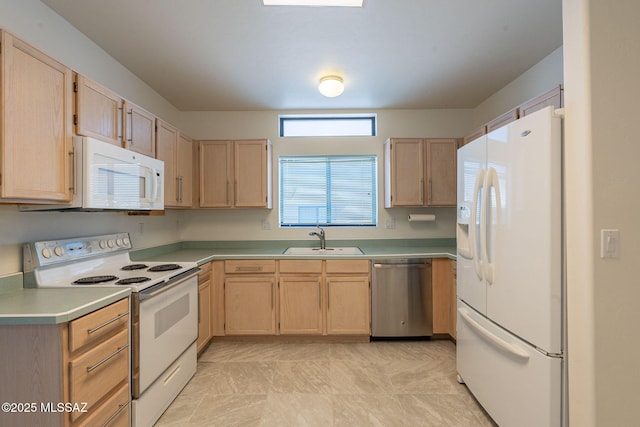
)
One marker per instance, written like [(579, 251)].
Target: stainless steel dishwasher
[(401, 299)]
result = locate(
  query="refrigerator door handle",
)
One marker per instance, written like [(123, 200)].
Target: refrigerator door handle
[(498, 342), (491, 181), (473, 238)]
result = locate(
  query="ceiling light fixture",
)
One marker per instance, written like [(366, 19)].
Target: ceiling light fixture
[(345, 3), (331, 86)]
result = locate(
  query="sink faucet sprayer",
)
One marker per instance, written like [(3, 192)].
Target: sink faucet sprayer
[(320, 235)]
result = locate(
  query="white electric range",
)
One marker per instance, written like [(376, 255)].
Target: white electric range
[(164, 307)]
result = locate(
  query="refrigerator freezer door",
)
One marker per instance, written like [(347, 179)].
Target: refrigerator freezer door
[(471, 287), (515, 383), (523, 230)]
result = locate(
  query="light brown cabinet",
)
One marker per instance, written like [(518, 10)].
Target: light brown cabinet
[(444, 296), (553, 97), (235, 174), (204, 307), (98, 111), (348, 297), (36, 98), (176, 150), (140, 130), (301, 304), (250, 297), (420, 172), (85, 360)]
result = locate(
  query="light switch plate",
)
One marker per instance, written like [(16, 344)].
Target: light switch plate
[(609, 243)]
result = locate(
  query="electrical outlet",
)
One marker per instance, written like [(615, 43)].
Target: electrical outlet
[(141, 228), (266, 225), (391, 224)]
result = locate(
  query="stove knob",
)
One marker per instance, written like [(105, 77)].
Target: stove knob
[(46, 252), (59, 250), (118, 242), (103, 244), (126, 241), (110, 243)]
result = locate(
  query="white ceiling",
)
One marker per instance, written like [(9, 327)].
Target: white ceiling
[(211, 55)]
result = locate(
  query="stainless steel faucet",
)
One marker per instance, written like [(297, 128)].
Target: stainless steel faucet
[(320, 235)]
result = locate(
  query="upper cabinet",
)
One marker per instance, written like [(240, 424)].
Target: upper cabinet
[(98, 111), (176, 150), (140, 130), (235, 174), (420, 172), (35, 142), (553, 97)]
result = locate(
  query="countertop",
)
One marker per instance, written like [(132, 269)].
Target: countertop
[(25, 306), (203, 252)]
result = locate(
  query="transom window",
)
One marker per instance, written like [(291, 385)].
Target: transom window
[(314, 125), (328, 190)]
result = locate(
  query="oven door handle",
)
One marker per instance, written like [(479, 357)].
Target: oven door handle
[(165, 286)]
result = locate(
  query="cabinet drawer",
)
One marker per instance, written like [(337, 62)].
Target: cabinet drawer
[(205, 272), (101, 323), (347, 266), (250, 266), (301, 266), (96, 372), (114, 412)]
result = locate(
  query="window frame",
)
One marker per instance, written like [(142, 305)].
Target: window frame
[(283, 118), (372, 158)]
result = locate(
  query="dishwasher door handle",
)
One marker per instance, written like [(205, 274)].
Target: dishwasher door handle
[(401, 265)]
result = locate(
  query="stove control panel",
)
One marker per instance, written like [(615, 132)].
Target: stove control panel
[(38, 254)]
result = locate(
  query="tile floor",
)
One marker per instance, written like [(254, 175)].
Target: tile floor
[(399, 383)]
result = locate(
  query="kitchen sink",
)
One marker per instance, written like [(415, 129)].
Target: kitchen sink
[(345, 250)]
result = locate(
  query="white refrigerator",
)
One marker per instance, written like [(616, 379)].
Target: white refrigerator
[(510, 342)]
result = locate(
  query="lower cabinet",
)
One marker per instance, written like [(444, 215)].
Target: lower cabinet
[(348, 297), (250, 297), (348, 307), (291, 297), (444, 296), (84, 362), (249, 304), (301, 303), (204, 307)]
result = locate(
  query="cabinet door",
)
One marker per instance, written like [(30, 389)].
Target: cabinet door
[(405, 172), (184, 164), (553, 97), (216, 174), (140, 130), (252, 172), (301, 305), (250, 306), (441, 161), (166, 150), (98, 111), (204, 314), (441, 290), (35, 144), (348, 305)]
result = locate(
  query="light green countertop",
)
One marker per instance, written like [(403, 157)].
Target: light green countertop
[(53, 305), (203, 252)]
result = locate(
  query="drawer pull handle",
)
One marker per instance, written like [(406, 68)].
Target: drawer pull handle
[(121, 408), (249, 268), (108, 322), (106, 359)]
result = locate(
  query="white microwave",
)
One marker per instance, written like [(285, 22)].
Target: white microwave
[(108, 177)]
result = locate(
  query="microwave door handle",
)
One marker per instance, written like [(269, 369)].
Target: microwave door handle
[(156, 184)]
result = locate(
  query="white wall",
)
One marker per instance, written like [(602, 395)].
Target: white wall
[(540, 78), (248, 224), (602, 108)]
